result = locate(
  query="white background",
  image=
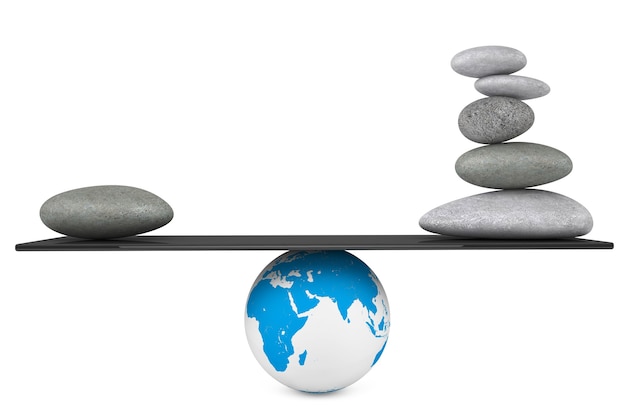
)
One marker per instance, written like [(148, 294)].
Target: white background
[(290, 117)]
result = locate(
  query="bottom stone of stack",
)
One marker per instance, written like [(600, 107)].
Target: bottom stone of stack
[(510, 214)]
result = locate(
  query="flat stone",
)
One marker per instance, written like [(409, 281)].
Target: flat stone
[(516, 86), (495, 119), (105, 212), (488, 60), (510, 214), (513, 165)]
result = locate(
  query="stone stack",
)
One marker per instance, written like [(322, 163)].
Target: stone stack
[(515, 210)]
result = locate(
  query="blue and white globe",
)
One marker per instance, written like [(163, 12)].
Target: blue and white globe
[(317, 321)]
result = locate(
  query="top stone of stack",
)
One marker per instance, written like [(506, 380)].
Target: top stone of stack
[(488, 60)]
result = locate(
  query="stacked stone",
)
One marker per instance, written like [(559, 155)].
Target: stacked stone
[(515, 210)]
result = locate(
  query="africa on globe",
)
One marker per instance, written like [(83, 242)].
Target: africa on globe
[(317, 321)]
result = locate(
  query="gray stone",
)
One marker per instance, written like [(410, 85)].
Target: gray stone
[(488, 60), (510, 214), (513, 165), (495, 119), (516, 86), (105, 212)]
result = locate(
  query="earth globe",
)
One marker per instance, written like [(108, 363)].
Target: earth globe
[(317, 321)]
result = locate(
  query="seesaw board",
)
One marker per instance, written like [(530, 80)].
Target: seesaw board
[(303, 242)]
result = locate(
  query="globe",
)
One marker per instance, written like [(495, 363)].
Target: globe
[(317, 321)]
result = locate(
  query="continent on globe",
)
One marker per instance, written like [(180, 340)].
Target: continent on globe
[(317, 321)]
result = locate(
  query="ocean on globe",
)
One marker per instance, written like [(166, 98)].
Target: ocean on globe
[(317, 321)]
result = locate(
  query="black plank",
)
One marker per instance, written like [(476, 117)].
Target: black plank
[(306, 242)]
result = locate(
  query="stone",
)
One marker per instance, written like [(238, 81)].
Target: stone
[(488, 60), (495, 119), (105, 212), (510, 214), (513, 165), (516, 86)]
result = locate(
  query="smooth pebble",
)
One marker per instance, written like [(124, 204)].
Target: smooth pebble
[(105, 212), (513, 165), (488, 60), (510, 214), (516, 86)]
